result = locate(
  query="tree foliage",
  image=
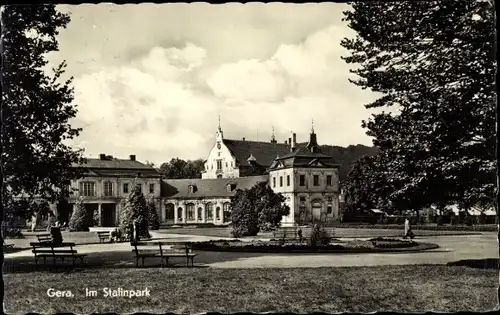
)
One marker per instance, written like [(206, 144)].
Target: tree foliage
[(178, 168), (257, 209), (36, 105), (433, 64), (79, 220), (153, 219), (135, 209), (366, 186)]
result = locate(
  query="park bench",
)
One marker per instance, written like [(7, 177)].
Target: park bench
[(162, 250), (103, 236), (286, 234), (46, 237), (55, 251)]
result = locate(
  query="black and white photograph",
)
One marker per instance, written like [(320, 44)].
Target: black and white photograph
[(191, 158)]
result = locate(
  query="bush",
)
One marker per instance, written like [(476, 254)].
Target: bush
[(454, 220), (96, 219), (13, 233), (319, 237), (154, 220), (440, 220), (135, 209), (79, 220)]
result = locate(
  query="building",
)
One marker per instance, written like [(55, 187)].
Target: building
[(106, 183), (238, 158), (307, 178)]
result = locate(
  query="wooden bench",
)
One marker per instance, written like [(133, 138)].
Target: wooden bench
[(286, 234), (103, 236), (46, 237), (145, 250), (60, 251)]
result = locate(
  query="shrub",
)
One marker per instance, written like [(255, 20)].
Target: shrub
[(79, 220), (482, 218), (135, 209), (319, 237), (454, 220), (469, 220), (154, 220), (422, 220), (96, 219), (440, 220)]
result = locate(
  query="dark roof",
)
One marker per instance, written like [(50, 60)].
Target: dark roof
[(263, 152), (114, 163), (117, 167), (179, 188)]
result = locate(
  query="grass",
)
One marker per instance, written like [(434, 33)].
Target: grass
[(181, 290)]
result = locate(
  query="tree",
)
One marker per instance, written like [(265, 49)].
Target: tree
[(178, 168), (79, 220), (257, 209), (433, 64), (36, 105), (153, 220), (135, 209), (366, 186)]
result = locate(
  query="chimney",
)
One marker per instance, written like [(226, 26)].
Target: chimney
[(294, 140), (102, 156), (243, 138), (132, 157), (286, 142)]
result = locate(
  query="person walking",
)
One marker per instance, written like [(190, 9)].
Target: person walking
[(408, 232), (50, 216)]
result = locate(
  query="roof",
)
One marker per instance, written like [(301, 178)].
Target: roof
[(116, 167), (179, 188), (263, 152), (114, 163)]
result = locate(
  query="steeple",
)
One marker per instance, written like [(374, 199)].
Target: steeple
[(219, 133), (313, 142), (273, 139)]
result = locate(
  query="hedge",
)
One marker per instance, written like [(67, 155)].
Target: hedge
[(473, 228)]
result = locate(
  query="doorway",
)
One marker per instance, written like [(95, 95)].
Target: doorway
[(108, 214), (317, 208)]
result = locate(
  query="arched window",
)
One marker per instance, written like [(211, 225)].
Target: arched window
[(179, 214), (190, 211), (169, 211), (226, 207), (200, 211), (217, 213), (209, 211)]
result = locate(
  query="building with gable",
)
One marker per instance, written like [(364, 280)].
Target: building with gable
[(307, 177)]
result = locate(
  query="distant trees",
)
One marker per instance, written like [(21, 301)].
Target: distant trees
[(256, 209), (433, 63), (178, 168)]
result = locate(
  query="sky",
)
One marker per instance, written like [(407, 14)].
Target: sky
[(153, 80)]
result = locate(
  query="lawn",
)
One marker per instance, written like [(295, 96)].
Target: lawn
[(339, 232), (181, 290)]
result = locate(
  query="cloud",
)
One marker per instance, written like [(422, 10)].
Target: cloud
[(161, 99)]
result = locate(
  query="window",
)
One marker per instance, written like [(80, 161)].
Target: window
[(231, 164), (329, 180), (330, 199), (219, 164), (140, 187), (179, 214), (288, 180), (226, 164), (316, 180), (217, 213), (302, 180), (108, 189), (227, 212), (274, 181), (209, 211), (281, 181), (125, 188), (200, 211), (190, 211), (218, 153), (302, 199), (329, 209), (87, 189), (151, 188)]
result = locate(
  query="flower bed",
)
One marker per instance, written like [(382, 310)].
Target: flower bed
[(355, 246)]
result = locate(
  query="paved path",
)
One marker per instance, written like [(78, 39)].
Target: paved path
[(452, 248)]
